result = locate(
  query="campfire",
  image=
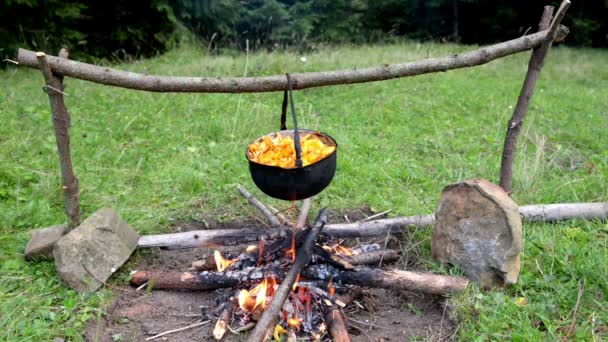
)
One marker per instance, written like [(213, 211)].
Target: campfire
[(293, 287)]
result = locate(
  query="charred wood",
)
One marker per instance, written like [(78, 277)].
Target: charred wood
[(269, 317)]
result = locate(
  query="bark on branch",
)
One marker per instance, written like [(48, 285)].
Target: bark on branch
[(537, 60), (130, 80), (61, 123)]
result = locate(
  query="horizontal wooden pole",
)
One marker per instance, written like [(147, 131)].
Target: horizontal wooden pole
[(380, 227), (130, 80)]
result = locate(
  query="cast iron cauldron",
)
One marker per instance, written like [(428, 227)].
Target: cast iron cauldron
[(298, 183)]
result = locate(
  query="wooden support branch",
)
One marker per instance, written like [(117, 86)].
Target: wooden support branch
[(537, 60), (274, 221), (391, 279), (130, 80), (61, 123), (303, 216), (269, 317), (382, 227)]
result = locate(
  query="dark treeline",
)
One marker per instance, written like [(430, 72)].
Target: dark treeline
[(139, 28)]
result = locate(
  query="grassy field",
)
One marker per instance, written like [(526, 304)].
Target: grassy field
[(158, 157)]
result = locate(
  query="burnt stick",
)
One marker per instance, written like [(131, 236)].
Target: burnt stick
[(269, 317)]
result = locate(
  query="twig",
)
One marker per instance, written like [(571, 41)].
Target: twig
[(269, 316), (374, 216), (284, 220), (56, 90), (581, 287), (301, 222), (535, 65), (245, 327), (274, 221), (139, 288), (198, 324)]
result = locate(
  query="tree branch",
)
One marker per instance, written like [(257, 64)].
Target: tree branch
[(125, 79), (537, 60), (61, 123)]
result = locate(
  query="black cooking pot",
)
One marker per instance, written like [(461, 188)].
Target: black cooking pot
[(300, 182)]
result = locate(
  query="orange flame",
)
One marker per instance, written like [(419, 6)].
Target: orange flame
[(341, 250), (330, 288), (257, 296), (220, 262)]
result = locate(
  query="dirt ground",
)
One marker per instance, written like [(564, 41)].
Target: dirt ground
[(378, 315)]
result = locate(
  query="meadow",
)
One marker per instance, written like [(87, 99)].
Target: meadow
[(162, 157)]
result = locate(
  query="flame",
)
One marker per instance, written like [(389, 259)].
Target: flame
[(294, 323), (257, 296), (291, 252), (222, 263), (330, 288), (341, 250)]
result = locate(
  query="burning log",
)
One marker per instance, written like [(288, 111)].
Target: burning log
[(374, 257), (205, 280), (335, 319), (269, 317), (223, 321), (392, 279)]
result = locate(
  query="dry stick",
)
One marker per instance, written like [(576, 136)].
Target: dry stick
[(177, 330), (303, 216), (369, 218), (125, 79), (537, 60), (284, 220), (274, 221), (223, 322), (335, 318), (581, 287), (381, 227), (370, 258), (269, 317), (61, 123)]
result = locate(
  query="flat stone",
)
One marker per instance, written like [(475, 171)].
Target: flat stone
[(89, 254), (42, 242), (478, 228)]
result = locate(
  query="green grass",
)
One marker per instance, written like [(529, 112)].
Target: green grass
[(155, 157)]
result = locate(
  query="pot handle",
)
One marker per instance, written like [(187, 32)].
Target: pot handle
[(296, 135)]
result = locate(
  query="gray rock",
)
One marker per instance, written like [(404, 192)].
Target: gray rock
[(42, 242), (478, 228), (93, 251)]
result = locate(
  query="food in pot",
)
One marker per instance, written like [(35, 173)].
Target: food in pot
[(278, 150)]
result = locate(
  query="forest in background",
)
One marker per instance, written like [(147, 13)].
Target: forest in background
[(116, 29)]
